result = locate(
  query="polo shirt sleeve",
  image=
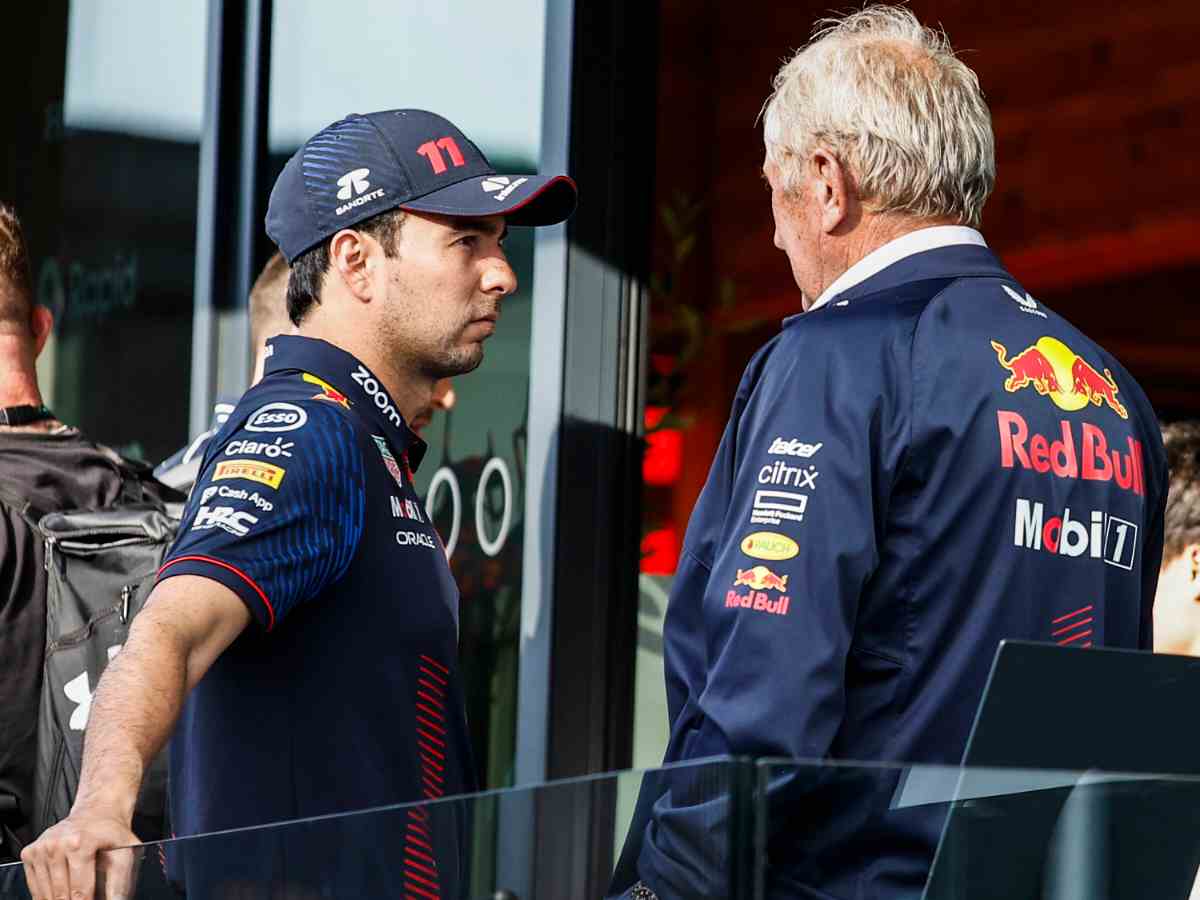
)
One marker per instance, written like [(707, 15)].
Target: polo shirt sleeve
[(278, 511)]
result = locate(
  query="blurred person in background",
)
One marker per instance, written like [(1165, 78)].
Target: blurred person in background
[(1177, 603), (916, 468), (443, 400), (268, 310), (303, 630), (1177, 606), (268, 317), (45, 466)]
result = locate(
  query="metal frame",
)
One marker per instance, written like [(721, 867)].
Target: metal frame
[(597, 538), (232, 204)]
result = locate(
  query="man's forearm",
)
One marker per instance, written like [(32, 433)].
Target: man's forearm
[(136, 704)]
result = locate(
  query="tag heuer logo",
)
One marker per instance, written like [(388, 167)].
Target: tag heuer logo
[(353, 183)]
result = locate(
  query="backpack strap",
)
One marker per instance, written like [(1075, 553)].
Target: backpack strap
[(10, 815), (22, 504), (138, 484)]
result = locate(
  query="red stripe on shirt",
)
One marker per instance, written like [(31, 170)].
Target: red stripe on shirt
[(236, 571)]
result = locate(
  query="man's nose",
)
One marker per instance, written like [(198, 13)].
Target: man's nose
[(498, 277)]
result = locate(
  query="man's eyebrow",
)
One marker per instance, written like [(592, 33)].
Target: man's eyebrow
[(487, 226)]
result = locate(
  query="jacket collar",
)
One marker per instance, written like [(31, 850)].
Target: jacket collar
[(893, 251), (951, 261), (354, 385)]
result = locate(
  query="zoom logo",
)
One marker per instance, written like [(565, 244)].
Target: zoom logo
[(378, 395)]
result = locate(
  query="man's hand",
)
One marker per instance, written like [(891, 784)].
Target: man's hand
[(187, 622), (66, 862)]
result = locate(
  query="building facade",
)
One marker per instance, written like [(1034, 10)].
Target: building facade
[(141, 157)]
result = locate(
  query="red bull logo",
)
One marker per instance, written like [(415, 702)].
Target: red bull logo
[(758, 601), (328, 391), (1054, 370), (1088, 458), (761, 579)]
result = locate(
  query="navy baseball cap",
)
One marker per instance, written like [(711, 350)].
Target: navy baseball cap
[(410, 159)]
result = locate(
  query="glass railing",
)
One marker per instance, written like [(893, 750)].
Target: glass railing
[(721, 828), (950, 833), (550, 841)]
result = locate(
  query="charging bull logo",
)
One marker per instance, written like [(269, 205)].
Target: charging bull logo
[(328, 391), (761, 579), (1057, 372)]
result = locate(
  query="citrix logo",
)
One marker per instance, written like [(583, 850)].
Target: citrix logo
[(353, 183), (372, 389)]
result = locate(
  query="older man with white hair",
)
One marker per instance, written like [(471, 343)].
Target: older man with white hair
[(923, 463)]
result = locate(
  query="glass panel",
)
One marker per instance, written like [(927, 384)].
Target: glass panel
[(736, 829), (425, 850), (102, 166), (947, 833), (484, 71)]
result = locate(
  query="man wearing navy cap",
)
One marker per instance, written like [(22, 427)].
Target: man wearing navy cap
[(303, 631)]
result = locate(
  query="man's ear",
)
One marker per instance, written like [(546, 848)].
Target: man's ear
[(42, 323), (833, 190), (351, 257), (1191, 553)]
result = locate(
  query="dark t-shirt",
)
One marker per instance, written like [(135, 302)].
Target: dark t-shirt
[(346, 693), (40, 472)]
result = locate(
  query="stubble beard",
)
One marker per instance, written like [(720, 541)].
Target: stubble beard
[(455, 361)]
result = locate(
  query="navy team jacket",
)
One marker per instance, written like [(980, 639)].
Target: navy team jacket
[(927, 465), (345, 693)]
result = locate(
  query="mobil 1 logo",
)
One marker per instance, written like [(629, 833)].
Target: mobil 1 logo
[(1075, 534)]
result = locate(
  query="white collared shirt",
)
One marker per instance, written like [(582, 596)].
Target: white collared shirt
[(895, 250)]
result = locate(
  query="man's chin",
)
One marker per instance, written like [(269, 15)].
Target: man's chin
[(461, 363)]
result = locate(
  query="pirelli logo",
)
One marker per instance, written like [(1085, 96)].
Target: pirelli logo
[(251, 470)]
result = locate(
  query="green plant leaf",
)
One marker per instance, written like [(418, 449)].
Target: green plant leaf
[(741, 326), (670, 220), (692, 324), (684, 248), (727, 293)]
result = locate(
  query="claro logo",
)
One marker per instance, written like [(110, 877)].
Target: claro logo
[(378, 395)]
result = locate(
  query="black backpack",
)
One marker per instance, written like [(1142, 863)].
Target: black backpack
[(100, 566)]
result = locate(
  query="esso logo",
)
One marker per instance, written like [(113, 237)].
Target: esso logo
[(277, 417)]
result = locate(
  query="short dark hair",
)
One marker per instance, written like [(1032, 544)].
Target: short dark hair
[(16, 283), (309, 268), (1181, 527)]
